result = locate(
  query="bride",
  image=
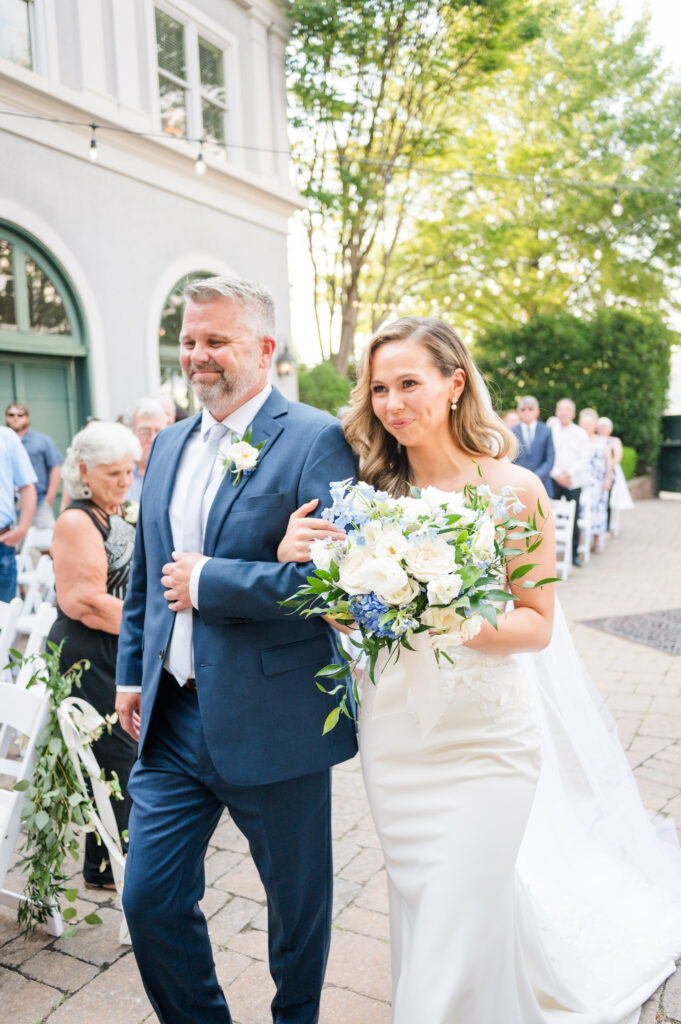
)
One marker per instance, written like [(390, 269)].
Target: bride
[(526, 882)]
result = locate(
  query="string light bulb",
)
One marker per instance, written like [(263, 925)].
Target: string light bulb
[(94, 155), (598, 253), (516, 282), (548, 203), (470, 191), (200, 163), (617, 208)]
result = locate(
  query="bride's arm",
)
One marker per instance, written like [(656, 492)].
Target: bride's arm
[(528, 625)]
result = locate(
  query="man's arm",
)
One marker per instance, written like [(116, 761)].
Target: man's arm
[(53, 484), (231, 588), (27, 502)]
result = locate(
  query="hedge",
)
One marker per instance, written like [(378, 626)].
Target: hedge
[(616, 362)]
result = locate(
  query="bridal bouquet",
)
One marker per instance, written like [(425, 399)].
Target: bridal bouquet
[(433, 561)]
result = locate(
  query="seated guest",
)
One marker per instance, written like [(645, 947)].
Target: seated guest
[(572, 458), (536, 444), (511, 418), (146, 418), (16, 473), (92, 552), (45, 458)]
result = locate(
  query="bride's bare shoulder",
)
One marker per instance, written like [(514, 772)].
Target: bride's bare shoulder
[(499, 473)]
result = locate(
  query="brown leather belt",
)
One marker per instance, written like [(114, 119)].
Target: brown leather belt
[(190, 685)]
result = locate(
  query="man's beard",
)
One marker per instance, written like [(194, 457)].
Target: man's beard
[(212, 395)]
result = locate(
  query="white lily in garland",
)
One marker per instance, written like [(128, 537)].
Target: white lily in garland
[(242, 457)]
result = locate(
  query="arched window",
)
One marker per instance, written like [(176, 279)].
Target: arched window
[(42, 338), (172, 381)]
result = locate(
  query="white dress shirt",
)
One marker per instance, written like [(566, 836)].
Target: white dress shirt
[(180, 644), (572, 453), (528, 432)]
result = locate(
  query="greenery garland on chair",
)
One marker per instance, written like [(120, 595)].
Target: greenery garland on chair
[(57, 805)]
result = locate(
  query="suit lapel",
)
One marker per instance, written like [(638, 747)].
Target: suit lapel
[(172, 459), (267, 426)]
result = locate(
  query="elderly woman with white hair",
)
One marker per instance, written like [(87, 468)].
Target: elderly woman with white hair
[(92, 552)]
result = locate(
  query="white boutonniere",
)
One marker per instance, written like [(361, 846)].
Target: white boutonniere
[(130, 511), (242, 457)]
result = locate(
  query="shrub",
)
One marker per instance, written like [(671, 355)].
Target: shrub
[(629, 460), (323, 387), (617, 362)]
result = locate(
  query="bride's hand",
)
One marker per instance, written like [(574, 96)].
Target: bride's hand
[(295, 545)]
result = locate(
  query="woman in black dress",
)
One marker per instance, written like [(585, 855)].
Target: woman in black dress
[(92, 552)]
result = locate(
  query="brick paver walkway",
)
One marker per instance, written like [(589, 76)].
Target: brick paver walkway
[(91, 978)]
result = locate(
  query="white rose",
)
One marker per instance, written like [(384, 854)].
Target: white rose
[(442, 618), (455, 504), (391, 543), (412, 507), (384, 576), (401, 596), (444, 589), (371, 532), (321, 553), (458, 629), (430, 559), (471, 626), (350, 571), (482, 547), (242, 455)]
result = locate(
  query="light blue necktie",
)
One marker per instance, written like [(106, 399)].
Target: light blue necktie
[(192, 528)]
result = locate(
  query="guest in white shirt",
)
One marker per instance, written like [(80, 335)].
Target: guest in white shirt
[(570, 471)]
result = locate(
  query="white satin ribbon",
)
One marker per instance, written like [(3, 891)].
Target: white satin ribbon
[(408, 676)]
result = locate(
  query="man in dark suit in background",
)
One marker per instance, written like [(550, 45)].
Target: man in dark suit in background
[(536, 443)]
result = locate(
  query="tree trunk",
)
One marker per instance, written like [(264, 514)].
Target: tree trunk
[(347, 338)]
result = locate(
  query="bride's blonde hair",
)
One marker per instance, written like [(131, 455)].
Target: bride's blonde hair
[(475, 428)]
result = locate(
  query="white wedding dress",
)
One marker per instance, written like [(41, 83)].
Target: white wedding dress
[(527, 885)]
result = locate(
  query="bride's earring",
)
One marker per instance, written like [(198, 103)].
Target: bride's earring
[(453, 405)]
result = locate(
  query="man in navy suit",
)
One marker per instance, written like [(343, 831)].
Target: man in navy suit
[(536, 443), (216, 679)]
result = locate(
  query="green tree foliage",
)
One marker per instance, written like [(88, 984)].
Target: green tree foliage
[(324, 387), (616, 362), (372, 85), (587, 103)]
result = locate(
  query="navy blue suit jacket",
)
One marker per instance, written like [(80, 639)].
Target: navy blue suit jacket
[(254, 661), (539, 456)]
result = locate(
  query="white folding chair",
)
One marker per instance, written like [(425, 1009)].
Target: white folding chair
[(9, 618), (38, 540), (564, 518), (32, 665), (40, 589), (78, 720), (25, 712), (584, 527)]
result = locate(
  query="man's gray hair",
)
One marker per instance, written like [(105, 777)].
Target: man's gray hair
[(528, 402), (254, 297), (98, 442), (145, 408)]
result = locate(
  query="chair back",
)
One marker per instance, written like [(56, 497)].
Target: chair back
[(564, 517), (25, 712), (9, 618), (78, 720)]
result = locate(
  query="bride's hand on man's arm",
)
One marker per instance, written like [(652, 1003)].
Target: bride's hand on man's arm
[(301, 532)]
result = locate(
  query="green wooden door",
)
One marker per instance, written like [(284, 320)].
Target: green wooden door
[(43, 354), (48, 387)]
